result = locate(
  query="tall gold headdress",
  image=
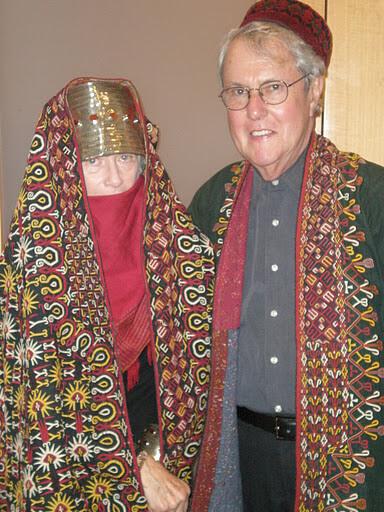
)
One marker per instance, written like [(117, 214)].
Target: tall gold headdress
[(105, 117)]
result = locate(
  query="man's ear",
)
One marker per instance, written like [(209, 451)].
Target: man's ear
[(316, 93)]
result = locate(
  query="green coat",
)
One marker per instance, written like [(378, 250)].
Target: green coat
[(340, 261)]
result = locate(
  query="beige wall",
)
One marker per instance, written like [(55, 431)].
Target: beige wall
[(1, 189), (354, 106), (168, 48)]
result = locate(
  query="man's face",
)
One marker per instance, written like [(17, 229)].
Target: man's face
[(271, 137), (113, 174)]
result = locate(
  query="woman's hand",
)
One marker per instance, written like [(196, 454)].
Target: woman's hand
[(164, 491)]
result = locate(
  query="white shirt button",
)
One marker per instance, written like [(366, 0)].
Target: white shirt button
[(275, 183), (274, 360), (275, 223), (275, 268), (278, 408), (273, 313)]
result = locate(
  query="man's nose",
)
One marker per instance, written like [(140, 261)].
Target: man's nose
[(256, 108)]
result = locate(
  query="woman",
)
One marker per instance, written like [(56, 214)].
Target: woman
[(105, 316)]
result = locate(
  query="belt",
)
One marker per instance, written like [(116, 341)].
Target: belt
[(284, 428)]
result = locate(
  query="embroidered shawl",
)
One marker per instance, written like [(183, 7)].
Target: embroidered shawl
[(339, 334), (65, 442)]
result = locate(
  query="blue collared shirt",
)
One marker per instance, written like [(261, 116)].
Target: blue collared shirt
[(267, 346)]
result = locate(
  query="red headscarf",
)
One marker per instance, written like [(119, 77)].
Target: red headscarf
[(118, 226)]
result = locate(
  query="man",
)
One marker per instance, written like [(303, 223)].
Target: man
[(298, 229), (105, 317)]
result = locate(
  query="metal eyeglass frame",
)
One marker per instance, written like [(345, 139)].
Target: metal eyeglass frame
[(259, 89)]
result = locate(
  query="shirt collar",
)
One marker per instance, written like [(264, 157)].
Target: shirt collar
[(291, 178)]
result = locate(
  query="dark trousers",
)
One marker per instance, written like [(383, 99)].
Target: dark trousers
[(141, 400), (267, 468)]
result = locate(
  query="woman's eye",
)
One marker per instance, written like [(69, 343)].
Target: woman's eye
[(93, 161), (127, 156)]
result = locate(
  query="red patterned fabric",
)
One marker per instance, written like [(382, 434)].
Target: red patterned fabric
[(298, 17), (65, 440), (228, 306)]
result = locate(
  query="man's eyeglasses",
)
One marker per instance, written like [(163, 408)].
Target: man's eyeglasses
[(272, 93)]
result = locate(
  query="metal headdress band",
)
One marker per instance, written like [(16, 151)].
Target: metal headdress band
[(105, 117)]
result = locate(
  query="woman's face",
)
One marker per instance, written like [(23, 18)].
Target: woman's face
[(271, 137), (113, 174)]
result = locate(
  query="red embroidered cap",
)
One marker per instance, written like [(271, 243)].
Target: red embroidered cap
[(298, 17)]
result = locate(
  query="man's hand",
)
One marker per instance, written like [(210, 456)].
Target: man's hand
[(164, 492)]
